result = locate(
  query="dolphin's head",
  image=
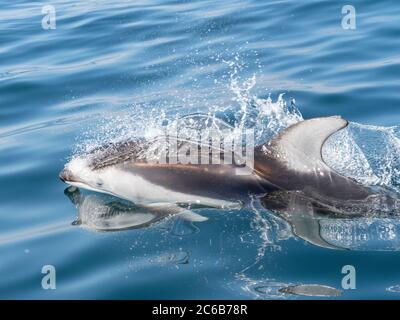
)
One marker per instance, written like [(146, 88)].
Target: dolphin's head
[(98, 169), (79, 173)]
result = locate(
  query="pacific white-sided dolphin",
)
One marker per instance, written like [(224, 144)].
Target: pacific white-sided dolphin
[(290, 162)]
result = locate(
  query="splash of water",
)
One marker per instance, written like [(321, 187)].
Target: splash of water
[(369, 154), (246, 111)]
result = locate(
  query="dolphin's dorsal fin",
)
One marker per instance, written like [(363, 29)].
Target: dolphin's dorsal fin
[(307, 137), (293, 161)]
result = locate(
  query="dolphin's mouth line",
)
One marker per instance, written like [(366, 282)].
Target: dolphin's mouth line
[(82, 185), (69, 181)]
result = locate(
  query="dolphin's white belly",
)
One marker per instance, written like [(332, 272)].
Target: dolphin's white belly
[(137, 189)]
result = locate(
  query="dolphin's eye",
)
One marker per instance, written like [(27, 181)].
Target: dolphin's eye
[(99, 183)]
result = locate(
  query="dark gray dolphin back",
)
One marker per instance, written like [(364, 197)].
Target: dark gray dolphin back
[(293, 161)]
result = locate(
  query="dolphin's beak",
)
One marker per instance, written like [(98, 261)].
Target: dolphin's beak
[(67, 176)]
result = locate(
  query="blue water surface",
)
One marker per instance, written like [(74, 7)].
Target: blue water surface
[(106, 58)]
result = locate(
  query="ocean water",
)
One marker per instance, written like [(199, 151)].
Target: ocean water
[(111, 70)]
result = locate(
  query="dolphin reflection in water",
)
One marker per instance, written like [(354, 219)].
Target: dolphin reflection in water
[(360, 234), (99, 214)]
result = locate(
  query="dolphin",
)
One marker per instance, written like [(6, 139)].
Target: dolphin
[(291, 162)]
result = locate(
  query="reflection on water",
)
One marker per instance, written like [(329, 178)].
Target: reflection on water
[(313, 222), (99, 213)]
